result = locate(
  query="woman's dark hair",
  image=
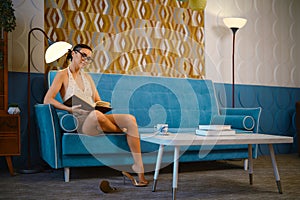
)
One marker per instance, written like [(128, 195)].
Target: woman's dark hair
[(77, 48)]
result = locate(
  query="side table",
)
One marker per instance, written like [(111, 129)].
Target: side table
[(9, 138)]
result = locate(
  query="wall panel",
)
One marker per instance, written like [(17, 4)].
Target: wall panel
[(159, 38)]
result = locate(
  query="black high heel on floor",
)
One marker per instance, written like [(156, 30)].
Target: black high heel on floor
[(133, 181), (106, 188)]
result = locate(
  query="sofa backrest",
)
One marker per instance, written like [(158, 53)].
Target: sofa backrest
[(179, 102)]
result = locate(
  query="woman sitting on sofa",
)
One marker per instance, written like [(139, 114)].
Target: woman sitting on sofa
[(73, 80)]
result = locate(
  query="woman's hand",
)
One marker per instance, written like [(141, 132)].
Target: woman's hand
[(77, 109)]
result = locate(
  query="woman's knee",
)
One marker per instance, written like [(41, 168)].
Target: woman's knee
[(100, 117), (131, 119)]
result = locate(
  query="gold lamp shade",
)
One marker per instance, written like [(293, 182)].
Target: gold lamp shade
[(197, 4)]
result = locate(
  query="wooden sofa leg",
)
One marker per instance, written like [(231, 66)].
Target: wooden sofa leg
[(246, 164), (67, 174)]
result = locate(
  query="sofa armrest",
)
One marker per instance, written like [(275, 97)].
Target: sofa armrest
[(242, 123), (253, 112), (49, 134)]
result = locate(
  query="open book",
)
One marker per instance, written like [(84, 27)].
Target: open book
[(102, 106)]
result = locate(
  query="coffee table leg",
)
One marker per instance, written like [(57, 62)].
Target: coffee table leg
[(175, 171), (157, 167), (276, 173), (250, 163)]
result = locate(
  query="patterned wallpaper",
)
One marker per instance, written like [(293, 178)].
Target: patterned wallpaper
[(150, 37)]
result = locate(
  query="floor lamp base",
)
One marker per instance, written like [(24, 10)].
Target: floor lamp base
[(30, 171)]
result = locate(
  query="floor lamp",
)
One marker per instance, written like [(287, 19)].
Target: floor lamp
[(53, 52), (234, 24)]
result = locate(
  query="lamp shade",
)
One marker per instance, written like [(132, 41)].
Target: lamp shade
[(56, 51), (197, 4), (234, 22)]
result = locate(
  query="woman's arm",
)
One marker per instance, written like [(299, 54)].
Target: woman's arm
[(54, 89)]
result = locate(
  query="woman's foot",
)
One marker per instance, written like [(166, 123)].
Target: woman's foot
[(133, 181), (140, 173)]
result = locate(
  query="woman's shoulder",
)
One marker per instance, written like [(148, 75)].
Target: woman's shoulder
[(61, 73)]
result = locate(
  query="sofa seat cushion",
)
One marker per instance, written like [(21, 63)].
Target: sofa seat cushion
[(80, 144)]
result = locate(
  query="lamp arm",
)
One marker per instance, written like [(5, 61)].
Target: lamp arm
[(28, 53)]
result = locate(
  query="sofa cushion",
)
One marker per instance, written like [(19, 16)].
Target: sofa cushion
[(243, 122), (154, 100)]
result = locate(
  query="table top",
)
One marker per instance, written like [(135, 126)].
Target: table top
[(187, 139)]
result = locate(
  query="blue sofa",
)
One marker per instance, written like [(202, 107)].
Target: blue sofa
[(182, 103)]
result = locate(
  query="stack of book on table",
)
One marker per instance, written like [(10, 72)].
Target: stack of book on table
[(214, 130)]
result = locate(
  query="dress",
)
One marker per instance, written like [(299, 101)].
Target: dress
[(73, 89)]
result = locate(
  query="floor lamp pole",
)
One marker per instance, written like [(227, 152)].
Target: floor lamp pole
[(54, 51), (234, 23), (234, 30), (29, 168)]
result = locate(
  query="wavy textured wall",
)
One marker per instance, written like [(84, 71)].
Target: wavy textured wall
[(267, 47)]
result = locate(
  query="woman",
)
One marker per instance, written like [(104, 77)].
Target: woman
[(73, 80)]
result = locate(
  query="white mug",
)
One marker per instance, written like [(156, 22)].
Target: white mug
[(161, 129)]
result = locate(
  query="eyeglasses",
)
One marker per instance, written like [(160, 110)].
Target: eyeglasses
[(86, 58)]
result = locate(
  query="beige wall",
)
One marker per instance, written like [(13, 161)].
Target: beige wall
[(267, 48), (29, 13)]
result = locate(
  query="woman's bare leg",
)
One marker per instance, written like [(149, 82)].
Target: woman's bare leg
[(133, 139), (117, 123), (97, 122)]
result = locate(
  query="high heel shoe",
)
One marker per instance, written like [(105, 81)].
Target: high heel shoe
[(106, 188), (133, 181)]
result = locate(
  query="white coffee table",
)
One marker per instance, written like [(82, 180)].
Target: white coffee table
[(188, 139)]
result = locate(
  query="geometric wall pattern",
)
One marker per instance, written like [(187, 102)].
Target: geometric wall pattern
[(153, 37)]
